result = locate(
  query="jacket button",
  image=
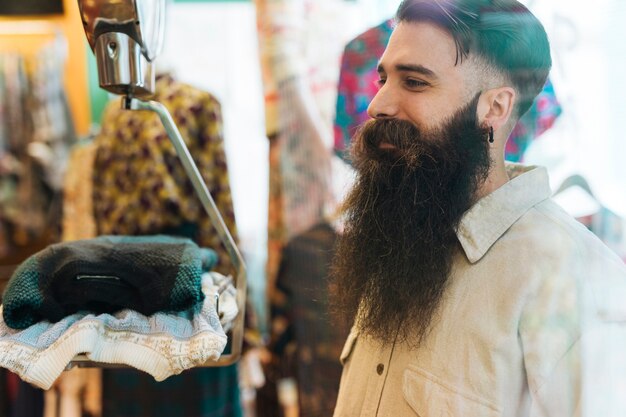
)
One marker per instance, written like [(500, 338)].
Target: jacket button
[(380, 368)]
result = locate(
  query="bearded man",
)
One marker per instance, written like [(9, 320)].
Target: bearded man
[(472, 293)]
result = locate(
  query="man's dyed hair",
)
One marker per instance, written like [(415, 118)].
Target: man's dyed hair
[(503, 34)]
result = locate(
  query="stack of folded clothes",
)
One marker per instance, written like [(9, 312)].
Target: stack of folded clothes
[(143, 301)]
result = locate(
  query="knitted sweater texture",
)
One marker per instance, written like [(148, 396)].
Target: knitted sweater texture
[(163, 344), (147, 274)]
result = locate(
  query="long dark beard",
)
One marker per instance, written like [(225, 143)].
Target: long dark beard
[(395, 255)]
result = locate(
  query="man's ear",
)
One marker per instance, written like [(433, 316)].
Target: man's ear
[(495, 107)]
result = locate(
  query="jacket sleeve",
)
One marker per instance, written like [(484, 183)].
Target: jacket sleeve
[(572, 331)]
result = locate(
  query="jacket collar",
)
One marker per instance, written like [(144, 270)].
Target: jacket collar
[(484, 223)]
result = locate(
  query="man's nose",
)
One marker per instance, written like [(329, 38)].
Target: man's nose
[(383, 105)]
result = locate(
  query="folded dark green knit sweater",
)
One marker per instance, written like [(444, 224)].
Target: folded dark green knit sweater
[(107, 274)]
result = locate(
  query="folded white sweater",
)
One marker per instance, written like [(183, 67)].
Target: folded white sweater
[(161, 344)]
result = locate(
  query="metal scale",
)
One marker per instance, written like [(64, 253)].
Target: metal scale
[(126, 37)]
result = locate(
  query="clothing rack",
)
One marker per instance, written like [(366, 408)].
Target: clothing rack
[(201, 190), (36, 132)]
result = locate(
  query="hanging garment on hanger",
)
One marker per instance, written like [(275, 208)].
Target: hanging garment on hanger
[(300, 43), (358, 86), (304, 343), (139, 184), (26, 197), (148, 274), (36, 131), (576, 197), (161, 345), (78, 221), (539, 118), (357, 82), (301, 39), (53, 128)]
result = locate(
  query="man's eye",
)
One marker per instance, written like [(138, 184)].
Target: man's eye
[(414, 84), (381, 81)]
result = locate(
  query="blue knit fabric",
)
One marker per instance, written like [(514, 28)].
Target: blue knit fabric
[(22, 295), (163, 344), (106, 274)]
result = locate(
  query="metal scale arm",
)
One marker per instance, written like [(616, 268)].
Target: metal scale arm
[(211, 209)]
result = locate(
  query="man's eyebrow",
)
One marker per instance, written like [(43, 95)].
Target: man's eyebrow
[(410, 68)]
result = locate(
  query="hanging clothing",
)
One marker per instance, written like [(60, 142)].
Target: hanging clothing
[(78, 221), (540, 117), (304, 343), (358, 86), (140, 187), (301, 39), (276, 229), (300, 44), (357, 82), (36, 132)]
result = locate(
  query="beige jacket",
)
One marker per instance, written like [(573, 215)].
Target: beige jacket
[(533, 323)]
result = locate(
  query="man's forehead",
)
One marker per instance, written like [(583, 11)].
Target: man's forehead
[(421, 43)]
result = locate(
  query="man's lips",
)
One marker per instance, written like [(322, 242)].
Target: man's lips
[(387, 146)]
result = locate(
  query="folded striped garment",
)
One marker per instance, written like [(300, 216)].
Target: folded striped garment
[(162, 344), (106, 274)]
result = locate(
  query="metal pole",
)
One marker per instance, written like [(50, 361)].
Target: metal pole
[(211, 209)]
